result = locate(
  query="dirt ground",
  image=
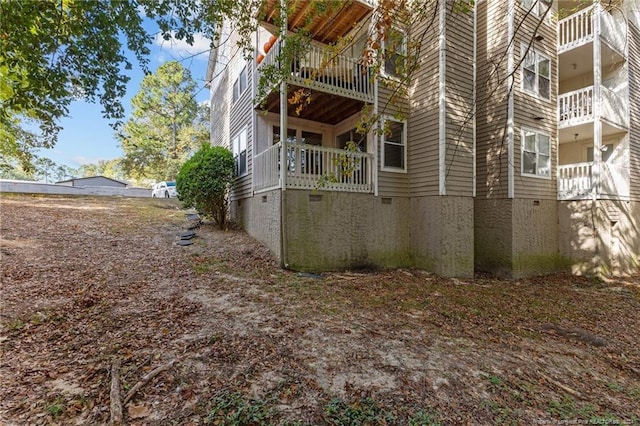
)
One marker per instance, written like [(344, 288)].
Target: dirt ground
[(87, 282)]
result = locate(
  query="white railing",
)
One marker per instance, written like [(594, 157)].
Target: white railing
[(265, 169), (314, 167), (614, 106), (575, 107), (575, 180), (323, 70), (576, 29)]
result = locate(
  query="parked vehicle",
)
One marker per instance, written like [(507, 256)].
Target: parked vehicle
[(164, 189)]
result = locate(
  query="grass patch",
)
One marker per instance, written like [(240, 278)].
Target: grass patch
[(361, 412), (56, 409), (231, 409)]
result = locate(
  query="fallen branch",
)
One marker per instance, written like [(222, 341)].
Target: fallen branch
[(560, 385), (150, 375), (116, 404)]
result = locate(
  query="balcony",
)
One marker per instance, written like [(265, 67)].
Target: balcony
[(327, 24), (578, 29), (580, 181), (577, 107), (314, 167), (323, 86), (322, 70)]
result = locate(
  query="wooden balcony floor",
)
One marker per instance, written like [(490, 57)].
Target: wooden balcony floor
[(323, 107)]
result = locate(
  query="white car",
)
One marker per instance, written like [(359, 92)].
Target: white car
[(164, 189)]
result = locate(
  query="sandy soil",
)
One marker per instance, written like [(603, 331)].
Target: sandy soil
[(86, 281)]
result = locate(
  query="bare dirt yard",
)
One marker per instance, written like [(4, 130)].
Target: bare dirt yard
[(216, 333)]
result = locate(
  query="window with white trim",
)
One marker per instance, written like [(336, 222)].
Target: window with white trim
[(536, 154), (536, 74), (394, 145), (395, 52), (240, 85), (537, 7), (239, 148)]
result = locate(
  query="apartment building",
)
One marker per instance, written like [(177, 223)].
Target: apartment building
[(514, 150)]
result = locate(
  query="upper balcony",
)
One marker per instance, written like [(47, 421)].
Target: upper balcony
[(578, 107), (327, 22), (336, 85), (584, 26)]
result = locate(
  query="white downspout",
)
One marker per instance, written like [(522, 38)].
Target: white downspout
[(510, 107), (442, 99)]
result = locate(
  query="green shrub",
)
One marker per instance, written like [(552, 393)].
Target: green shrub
[(204, 182)]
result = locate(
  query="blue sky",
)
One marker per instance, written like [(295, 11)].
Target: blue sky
[(86, 136)]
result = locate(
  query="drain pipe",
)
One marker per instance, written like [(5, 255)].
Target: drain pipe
[(283, 140)]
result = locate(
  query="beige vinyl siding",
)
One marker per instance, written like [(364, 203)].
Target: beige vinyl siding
[(220, 114), (240, 117), (528, 107), (424, 124), (491, 105), (459, 103), (391, 184), (634, 94)]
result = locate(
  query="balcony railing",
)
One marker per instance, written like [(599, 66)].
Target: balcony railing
[(315, 167), (575, 30), (578, 181), (577, 107), (578, 29), (323, 70), (575, 180)]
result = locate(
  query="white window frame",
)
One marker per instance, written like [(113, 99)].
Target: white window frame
[(383, 165), (537, 8), (238, 142), (537, 56), (238, 90), (537, 153), (403, 52)]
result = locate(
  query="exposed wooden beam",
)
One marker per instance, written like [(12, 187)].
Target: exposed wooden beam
[(302, 12)]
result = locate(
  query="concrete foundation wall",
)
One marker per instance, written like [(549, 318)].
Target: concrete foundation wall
[(493, 236), (535, 238), (517, 237), (335, 230), (442, 235), (260, 217), (600, 237)]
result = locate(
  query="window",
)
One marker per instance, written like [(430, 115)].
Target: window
[(395, 52), (239, 148), (394, 142), (303, 160), (536, 154), (240, 84), (537, 7), (536, 74), (352, 135)]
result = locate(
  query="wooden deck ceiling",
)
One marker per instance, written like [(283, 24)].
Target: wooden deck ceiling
[(327, 21), (322, 107)]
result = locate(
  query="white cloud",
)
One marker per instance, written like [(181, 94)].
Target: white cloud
[(180, 49)]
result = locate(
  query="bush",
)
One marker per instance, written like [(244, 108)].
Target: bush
[(204, 182)]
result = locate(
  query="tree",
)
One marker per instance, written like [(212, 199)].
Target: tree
[(204, 182), (162, 132), (52, 53), (45, 168)]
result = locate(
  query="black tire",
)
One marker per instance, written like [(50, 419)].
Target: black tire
[(166, 194)]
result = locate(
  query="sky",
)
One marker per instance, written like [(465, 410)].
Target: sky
[(86, 136)]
